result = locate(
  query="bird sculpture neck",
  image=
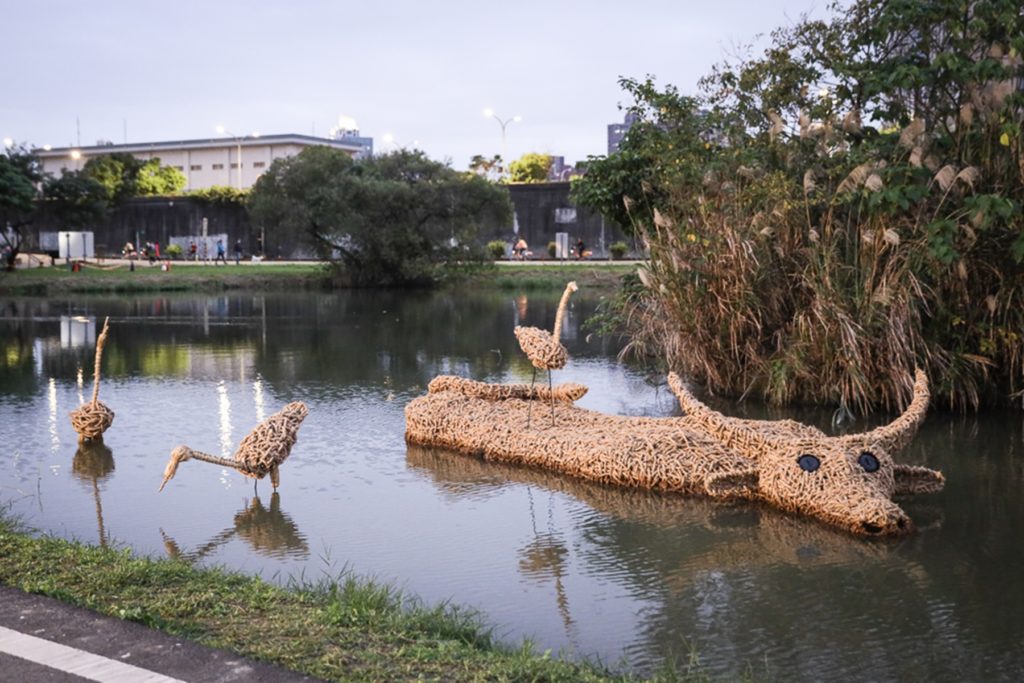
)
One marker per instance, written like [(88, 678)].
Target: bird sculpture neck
[(557, 332), (216, 460), (99, 357)]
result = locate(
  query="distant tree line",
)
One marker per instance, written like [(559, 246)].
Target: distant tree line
[(393, 219), (76, 199)]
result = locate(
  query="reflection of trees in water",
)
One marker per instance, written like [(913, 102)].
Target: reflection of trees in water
[(402, 337), (92, 463), (269, 532), (706, 567)]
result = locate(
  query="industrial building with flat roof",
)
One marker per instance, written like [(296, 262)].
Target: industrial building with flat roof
[(231, 161)]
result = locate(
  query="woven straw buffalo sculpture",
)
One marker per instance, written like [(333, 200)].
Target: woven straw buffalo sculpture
[(846, 481)]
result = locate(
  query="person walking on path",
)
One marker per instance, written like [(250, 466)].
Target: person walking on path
[(220, 253), (238, 252)]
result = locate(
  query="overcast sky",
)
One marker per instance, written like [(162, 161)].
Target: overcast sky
[(420, 71)]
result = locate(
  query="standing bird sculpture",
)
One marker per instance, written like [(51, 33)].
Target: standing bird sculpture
[(260, 453), (544, 349), (91, 419)]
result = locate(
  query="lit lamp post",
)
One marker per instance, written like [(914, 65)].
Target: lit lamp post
[(238, 139), (8, 142), (75, 156), (489, 113)]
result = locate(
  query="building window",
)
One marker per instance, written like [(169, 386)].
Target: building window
[(180, 168), (259, 164), (195, 167), (234, 164), (218, 167)]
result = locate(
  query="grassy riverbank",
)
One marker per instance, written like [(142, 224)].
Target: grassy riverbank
[(345, 630), (56, 280), (59, 280)]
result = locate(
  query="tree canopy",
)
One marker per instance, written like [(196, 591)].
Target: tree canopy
[(827, 214), (532, 167), (124, 176), (386, 220)]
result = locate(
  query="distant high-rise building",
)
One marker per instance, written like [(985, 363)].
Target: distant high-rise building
[(617, 131), (347, 132)]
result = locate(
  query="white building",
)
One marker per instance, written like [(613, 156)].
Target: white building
[(204, 162)]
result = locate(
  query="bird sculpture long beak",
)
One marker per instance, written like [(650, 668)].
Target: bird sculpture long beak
[(178, 455)]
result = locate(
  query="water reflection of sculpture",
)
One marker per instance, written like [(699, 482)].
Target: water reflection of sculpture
[(260, 453), (92, 463), (91, 419), (544, 557), (853, 490), (543, 348), (269, 532), (671, 552)]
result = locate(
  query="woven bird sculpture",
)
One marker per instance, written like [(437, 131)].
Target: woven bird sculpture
[(260, 453), (91, 419), (543, 348)]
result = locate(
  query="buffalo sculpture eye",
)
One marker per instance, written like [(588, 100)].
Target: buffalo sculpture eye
[(808, 463), (868, 461)]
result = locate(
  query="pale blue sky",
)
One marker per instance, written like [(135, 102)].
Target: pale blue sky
[(421, 71)]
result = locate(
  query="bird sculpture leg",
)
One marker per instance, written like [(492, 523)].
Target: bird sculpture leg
[(275, 477), (551, 395), (529, 411)]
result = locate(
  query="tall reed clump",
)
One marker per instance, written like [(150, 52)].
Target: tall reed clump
[(823, 220)]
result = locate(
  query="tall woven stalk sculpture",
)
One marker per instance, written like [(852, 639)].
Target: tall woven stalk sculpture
[(260, 453), (846, 481), (91, 419), (544, 349)]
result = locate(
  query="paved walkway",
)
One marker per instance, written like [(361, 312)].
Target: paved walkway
[(43, 639)]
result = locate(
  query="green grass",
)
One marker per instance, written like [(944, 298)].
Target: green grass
[(184, 276), (181, 277), (506, 275), (346, 629)]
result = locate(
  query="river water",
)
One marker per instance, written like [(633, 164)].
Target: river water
[(628, 577)]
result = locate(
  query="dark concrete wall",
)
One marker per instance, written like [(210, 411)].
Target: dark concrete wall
[(542, 209), (158, 219)]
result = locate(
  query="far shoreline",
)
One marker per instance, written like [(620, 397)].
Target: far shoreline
[(117, 276)]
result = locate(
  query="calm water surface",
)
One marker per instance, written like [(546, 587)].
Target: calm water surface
[(630, 577)]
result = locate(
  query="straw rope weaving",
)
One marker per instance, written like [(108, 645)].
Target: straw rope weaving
[(260, 453), (845, 481), (565, 393), (91, 419), (543, 348)]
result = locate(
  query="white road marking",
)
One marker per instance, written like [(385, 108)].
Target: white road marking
[(77, 662)]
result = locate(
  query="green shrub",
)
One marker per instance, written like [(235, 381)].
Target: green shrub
[(824, 218), (496, 248), (174, 251), (552, 249), (618, 250)]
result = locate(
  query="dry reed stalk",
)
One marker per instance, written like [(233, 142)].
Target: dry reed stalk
[(910, 134)]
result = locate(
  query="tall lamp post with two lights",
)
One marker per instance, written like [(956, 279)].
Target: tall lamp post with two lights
[(489, 113), (238, 158)]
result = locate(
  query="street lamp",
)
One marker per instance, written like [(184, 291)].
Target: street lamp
[(76, 155), (238, 139), (489, 113), (8, 142)]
